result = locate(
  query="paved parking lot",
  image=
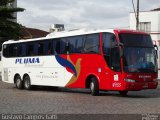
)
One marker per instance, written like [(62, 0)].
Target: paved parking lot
[(64, 101)]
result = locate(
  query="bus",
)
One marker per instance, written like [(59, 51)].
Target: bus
[(99, 60)]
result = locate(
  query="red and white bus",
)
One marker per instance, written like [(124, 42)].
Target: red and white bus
[(116, 60)]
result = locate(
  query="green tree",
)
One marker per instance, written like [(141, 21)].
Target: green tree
[(8, 28)]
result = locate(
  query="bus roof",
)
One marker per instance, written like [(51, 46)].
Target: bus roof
[(74, 33)]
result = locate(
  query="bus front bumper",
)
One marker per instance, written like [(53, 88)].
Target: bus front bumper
[(141, 86)]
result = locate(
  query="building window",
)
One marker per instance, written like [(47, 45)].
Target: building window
[(145, 26)]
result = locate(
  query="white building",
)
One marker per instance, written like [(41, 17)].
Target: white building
[(149, 21)]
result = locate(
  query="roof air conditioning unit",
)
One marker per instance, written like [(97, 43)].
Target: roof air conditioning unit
[(57, 28)]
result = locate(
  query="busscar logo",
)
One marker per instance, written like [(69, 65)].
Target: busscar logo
[(145, 76), (27, 60)]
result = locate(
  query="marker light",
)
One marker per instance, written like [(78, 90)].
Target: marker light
[(99, 70)]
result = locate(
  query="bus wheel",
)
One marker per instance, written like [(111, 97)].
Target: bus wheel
[(94, 87), (27, 83), (18, 82), (123, 93)]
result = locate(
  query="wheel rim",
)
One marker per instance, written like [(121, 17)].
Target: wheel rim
[(18, 82), (27, 83), (92, 86)]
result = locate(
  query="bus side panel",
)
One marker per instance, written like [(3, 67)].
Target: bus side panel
[(50, 73), (46, 71), (89, 65), (7, 68)]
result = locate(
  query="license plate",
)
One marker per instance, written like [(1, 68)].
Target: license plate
[(145, 85)]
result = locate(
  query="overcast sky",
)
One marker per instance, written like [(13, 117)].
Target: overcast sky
[(79, 13)]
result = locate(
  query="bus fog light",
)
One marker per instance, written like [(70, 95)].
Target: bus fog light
[(129, 80), (155, 80), (99, 70)]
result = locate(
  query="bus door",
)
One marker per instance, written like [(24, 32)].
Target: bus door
[(115, 65), (112, 57)]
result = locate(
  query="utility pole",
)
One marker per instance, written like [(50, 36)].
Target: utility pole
[(137, 17)]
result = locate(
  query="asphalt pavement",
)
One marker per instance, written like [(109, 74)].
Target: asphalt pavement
[(48, 100)]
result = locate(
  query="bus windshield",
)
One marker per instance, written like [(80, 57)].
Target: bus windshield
[(139, 53)]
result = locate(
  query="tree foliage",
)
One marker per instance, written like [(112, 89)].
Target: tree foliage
[(8, 28)]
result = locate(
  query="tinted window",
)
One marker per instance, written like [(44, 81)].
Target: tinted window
[(23, 52), (41, 48), (30, 49), (92, 43), (63, 46), (10, 50), (80, 44), (56, 46), (20, 50), (136, 40), (76, 44), (111, 51), (59, 46), (109, 41), (6, 50), (49, 47), (72, 44), (14, 50)]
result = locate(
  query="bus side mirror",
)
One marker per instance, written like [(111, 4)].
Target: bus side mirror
[(156, 47), (156, 50)]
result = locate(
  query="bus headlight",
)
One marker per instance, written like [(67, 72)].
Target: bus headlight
[(155, 80), (129, 80)]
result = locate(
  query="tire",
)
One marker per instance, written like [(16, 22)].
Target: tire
[(18, 82), (123, 93), (94, 87), (27, 83)]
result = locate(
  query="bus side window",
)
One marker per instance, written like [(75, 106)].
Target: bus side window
[(15, 52), (23, 49), (111, 51), (92, 43), (12, 50), (72, 44), (19, 51), (41, 48), (79, 44), (75, 44), (6, 50), (49, 47), (57, 47), (30, 49), (63, 46), (107, 47)]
